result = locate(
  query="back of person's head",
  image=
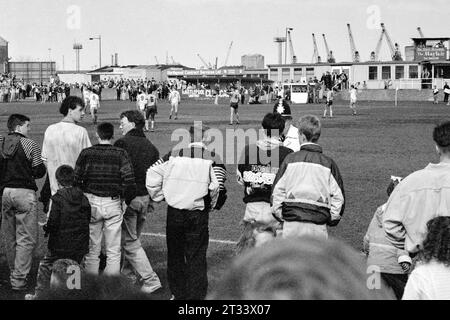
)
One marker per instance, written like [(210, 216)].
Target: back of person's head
[(436, 245), (305, 268), (441, 136), (135, 117), (310, 126), (71, 102), (273, 121), (105, 131), (15, 120), (65, 175)]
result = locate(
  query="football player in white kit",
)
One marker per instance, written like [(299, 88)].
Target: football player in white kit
[(94, 103), (353, 99), (174, 98), (86, 97), (141, 101)]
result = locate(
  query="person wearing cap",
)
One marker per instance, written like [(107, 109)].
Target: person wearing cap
[(191, 181), (290, 134)]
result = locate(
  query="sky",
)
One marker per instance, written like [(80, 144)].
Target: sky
[(139, 30)]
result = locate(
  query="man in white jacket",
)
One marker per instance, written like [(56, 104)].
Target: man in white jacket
[(191, 185), (420, 197)]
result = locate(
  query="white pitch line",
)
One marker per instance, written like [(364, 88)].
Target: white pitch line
[(162, 235)]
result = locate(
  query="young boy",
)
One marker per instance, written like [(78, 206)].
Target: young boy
[(393, 263), (435, 95), (94, 104), (353, 99), (150, 111), (67, 228), (329, 103)]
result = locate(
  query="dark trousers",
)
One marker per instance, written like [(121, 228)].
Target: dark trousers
[(396, 281), (187, 243), (45, 270), (445, 97)]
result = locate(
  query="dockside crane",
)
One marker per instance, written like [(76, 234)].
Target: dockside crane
[(355, 53), (291, 47), (316, 57), (420, 32), (228, 54), (203, 61), (395, 49), (330, 57), (156, 58)]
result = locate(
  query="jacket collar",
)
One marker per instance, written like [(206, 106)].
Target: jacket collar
[(312, 147), (135, 133), (16, 133)]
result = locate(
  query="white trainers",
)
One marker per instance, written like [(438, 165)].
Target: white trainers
[(150, 288)]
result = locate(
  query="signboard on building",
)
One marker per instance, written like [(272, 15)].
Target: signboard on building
[(430, 54), (219, 72)]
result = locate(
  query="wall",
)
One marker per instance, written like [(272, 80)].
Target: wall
[(74, 77)]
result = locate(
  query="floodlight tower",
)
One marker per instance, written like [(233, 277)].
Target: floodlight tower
[(77, 47), (280, 41)]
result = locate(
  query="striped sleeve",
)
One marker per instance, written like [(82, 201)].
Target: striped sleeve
[(32, 151), (221, 175)]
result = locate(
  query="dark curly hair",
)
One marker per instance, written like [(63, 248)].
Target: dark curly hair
[(441, 136), (437, 242)]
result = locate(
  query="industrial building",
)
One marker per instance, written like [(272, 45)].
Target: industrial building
[(3, 55), (253, 61), (33, 71)]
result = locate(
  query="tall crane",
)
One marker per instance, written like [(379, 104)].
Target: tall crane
[(228, 54), (203, 61), (173, 61), (316, 57), (355, 53), (215, 65), (420, 32), (291, 47), (375, 54), (395, 49), (156, 58), (330, 57)]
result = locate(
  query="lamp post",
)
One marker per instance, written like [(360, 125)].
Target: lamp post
[(99, 38), (285, 45)]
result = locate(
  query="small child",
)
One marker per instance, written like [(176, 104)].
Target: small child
[(67, 228), (430, 280), (353, 99), (329, 103), (394, 264), (435, 95)]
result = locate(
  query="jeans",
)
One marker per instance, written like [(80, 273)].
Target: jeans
[(187, 243), (300, 229), (45, 271), (397, 282), (134, 255), (20, 229), (106, 221)]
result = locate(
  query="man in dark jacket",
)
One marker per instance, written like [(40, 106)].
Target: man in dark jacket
[(67, 227), (142, 154), (20, 165)]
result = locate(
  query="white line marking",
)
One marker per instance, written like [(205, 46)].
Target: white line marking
[(162, 235)]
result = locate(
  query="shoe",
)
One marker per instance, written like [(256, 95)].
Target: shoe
[(172, 297), (152, 130), (230, 124), (170, 117), (147, 288), (176, 118), (237, 122)]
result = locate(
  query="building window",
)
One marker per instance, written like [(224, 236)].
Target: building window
[(386, 72), (286, 74), (373, 73), (309, 72), (413, 72), (399, 72)]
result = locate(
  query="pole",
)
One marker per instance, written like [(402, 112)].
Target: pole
[(285, 48), (100, 51), (63, 63)]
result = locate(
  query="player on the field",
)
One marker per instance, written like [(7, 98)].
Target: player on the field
[(353, 99), (329, 103), (141, 101), (86, 97), (94, 103), (174, 98), (150, 111)]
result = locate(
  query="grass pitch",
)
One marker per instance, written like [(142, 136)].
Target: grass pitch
[(382, 140)]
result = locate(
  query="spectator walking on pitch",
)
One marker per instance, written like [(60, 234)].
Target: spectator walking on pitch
[(256, 171), (67, 228), (105, 175), (421, 196), (192, 183), (353, 99), (308, 192), (20, 165), (63, 141), (290, 134), (142, 154), (446, 93), (234, 106), (174, 98)]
